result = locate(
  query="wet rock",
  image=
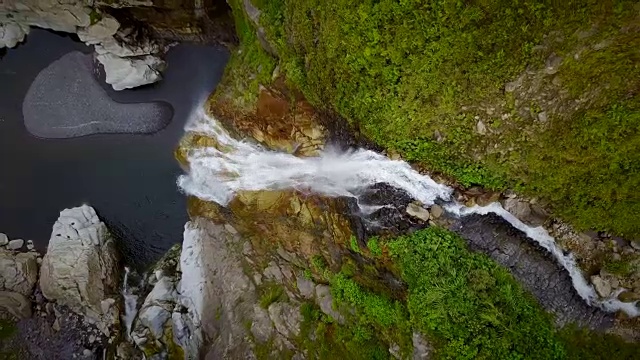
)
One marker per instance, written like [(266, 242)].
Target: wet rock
[(80, 268), (19, 272), (306, 287), (286, 318), (533, 267), (436, 211), (628, 296), (487, 198), (325, 301), (418, 211), (15, 244), (4, 240)]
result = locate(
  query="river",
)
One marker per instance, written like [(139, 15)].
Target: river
[(129, 179)]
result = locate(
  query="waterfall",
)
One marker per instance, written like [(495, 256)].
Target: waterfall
[(216, 173), (130, 302)]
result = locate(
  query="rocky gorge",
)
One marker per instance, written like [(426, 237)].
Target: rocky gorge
[(307, 239)]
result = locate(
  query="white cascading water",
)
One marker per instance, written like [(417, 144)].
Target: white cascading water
[(130, 302), (215, 175)]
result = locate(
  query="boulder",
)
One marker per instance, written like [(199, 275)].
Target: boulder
[(80, 269), (129, 72), (11, 34), (19, 272), (305, 287), (418, 211), (15, 244), (286, 318), (603, 287), (436, 211), (325, 301), (4, 240)]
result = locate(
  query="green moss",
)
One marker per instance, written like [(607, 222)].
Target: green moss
[(353, 244), (400, 71), (373, 244)]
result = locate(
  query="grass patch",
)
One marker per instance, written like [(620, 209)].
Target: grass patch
[(271, 293), (353, 244)]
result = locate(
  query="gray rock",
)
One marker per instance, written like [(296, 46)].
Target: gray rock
[(286, 318), (306, 287), (481, 128), (325, 301), (30, 245), (11, 34), (273, 272), (421, 348), (542, 117), (553, 64), (80, 268), (84, 108), (518, 208), (15, 244), (261, 327), (19, 272), (418, 211), (15, 304), (4, 240), (635, 244)]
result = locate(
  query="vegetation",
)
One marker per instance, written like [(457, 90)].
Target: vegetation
[(271, 293), (335, 341), (374, 246), (469, 305), (416, 77)]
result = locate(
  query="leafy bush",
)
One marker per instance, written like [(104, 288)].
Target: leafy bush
[(469, 305), (374, 246)]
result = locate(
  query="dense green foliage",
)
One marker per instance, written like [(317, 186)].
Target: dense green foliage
[(374, 246), (467, 303), (403, 71)]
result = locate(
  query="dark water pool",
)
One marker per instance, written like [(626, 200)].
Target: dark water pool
[(128, 179)]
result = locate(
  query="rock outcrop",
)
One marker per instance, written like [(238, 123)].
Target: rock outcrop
[(127, 64), (80, 269), (19, 272)]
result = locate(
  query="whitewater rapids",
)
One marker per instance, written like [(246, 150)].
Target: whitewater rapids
[(217, 173)]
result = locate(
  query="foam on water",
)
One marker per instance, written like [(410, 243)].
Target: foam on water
[(217, 173)]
